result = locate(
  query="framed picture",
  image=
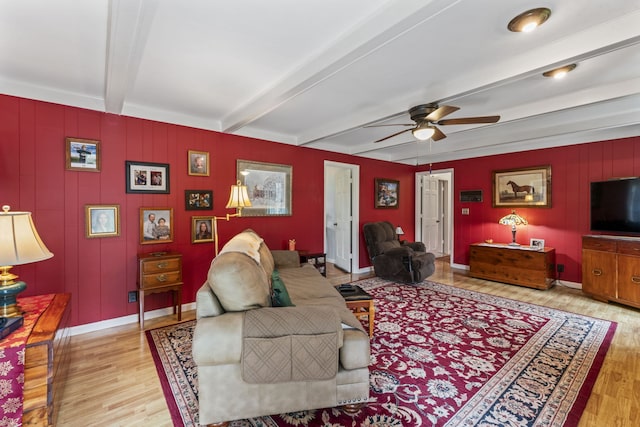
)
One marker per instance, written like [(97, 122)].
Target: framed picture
[(268, 186), (537, 244), (201, 229), (82, 154), (387, 193), (198, 163), (198, 200), (528, 187), (144, 177), (102, 220), (156, 225)]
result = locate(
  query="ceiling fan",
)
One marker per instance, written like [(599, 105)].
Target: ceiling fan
[(426, 116)]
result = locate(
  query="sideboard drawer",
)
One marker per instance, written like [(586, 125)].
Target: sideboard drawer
[(150, 266), (160, 279)]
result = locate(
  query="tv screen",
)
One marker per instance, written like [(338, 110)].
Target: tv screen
[(615, 205)]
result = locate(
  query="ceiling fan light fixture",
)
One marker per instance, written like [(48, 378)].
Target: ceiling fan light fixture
[(558, 73), (423, 131), (529, 20)]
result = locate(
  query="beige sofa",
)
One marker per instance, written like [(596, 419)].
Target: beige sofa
[(254, 359)]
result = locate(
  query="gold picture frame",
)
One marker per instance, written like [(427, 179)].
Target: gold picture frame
[(102, 220), (268, 187), (198, 163), (82, 154), (202, 229), (156, 225), (524, 187)]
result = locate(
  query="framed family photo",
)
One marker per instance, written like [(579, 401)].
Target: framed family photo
[(387, 193), (268, 186), (537, 244), (198, 200), (82, 154), (201, 229), (198, 163), (527, 187), (145, 177), (156, 225), (102, 220)]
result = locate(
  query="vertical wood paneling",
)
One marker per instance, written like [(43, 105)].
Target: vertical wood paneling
[(100, 272)]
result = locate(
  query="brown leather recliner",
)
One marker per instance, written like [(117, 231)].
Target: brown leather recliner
[(406, 262)]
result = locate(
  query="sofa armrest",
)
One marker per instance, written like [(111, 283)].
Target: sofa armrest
[(285, 259), (207, 304)]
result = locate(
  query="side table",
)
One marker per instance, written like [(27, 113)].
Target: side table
[(317, 259), (359, 302), (160, 272)]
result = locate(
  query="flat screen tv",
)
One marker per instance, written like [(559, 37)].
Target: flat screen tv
[(615, 205)]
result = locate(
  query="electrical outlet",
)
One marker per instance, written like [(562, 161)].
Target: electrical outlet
[(560, 268), (133, 296)]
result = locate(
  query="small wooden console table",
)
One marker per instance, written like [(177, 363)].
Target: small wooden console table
[(160, 272), (45, 363), (517, 265)]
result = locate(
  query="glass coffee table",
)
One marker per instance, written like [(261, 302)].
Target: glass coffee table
[(359, 302)]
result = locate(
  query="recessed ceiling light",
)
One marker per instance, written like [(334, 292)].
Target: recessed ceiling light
[(558, 73), (529, 20)]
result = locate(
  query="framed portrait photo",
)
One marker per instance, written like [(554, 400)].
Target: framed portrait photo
[(198, 200), (198, 163), (82, 154), (156, 225), (387, 193), (268, 187), (537, 244), (102, 220), (201, 229), (526, 187), (145, 177)]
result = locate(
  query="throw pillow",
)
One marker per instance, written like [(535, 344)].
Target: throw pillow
[(279, 294)]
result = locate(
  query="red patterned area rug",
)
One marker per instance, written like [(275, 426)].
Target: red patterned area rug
[(441, 356)]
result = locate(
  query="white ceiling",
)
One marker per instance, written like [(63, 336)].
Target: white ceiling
[(313, 72)]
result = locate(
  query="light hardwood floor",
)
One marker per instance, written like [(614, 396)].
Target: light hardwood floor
[(112, 380)]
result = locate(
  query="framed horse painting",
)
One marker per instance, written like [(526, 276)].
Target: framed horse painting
[(526, 187)]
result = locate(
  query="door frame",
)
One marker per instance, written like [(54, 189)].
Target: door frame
[(443, 175), (355, 212)]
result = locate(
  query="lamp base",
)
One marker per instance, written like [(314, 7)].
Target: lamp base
[(514, 244), (8, 303)]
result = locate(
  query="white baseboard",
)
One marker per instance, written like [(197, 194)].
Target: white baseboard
[(126, 320), (460, 266), (567, 284)]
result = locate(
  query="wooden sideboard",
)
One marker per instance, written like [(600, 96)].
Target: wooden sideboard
[(611, 268), (46, 362), (517, 265), (160, 272)]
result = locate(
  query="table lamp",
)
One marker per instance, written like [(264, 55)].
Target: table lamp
[(19, 244), (399, 231), (513, 219), (238, 199)]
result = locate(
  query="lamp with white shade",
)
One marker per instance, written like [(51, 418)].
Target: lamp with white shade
[(399, 231), (20, 244), (238, 199)]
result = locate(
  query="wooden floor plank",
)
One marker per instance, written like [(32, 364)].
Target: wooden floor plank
[(112, 378)]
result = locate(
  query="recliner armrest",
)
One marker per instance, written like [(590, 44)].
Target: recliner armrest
[(398, 252), (416, 246)]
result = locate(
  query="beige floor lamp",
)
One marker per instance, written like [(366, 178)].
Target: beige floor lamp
[(238, 199)]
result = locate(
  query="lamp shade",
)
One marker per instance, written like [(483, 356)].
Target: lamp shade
[(399, 231), (19, 239), (238, 197), (513, 219)]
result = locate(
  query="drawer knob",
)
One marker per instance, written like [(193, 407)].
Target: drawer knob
[(635, 279), (163, 264), (596, 272), (162, 278)]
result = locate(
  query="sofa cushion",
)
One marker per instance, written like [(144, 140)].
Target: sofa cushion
[(239, 282), (279, 294)]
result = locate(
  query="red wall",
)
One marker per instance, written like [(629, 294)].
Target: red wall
[(100, 272), (561, 226)]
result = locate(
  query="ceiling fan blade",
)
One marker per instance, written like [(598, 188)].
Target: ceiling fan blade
[(445, 110), (469, 120), (392, 135), (438, 135), (395, 124)]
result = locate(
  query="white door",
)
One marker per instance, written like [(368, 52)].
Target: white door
[(430, 218), (343, 219)]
